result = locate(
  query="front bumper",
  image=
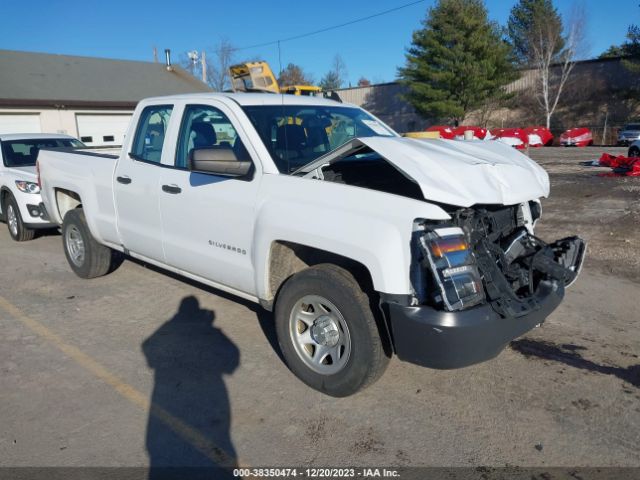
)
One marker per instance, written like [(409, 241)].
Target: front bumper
[(38, 217), (445, 340)]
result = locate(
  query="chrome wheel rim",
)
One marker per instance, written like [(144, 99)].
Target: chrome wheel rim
[(75, 245), (634, 153), (319, 334), (12, 220)]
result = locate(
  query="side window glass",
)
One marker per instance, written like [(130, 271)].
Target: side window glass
[(152, 129), (207, 127)]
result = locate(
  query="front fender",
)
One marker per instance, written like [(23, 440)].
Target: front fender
[(370, 227)]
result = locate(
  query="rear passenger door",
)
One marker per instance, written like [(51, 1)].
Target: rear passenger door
[(137, 184), (208, 220)]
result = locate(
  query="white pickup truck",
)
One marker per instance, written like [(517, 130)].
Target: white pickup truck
[(362, 242)]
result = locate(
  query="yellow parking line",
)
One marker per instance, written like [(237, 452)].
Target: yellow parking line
[(187, 432)]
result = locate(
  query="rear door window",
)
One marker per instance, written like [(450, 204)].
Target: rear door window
[(151, 132)]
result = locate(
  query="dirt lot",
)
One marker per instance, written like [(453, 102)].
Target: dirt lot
[(141, 368)]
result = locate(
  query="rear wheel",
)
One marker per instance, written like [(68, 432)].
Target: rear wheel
[(18, 231), (86, 257), (328, 332), (634, 152)]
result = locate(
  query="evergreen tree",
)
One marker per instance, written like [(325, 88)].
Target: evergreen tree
[(331, 81), (632, 49), (335, 77), (457, 62), (527, 16)]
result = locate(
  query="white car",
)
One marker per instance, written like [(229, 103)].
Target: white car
[(362, 243), (20, 202)]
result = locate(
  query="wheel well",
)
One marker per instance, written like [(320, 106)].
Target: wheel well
[(288, 258), (66, 200), (4, 192)]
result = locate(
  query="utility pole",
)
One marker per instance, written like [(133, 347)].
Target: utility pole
[(155, 55), (604, 130), (203, 60)]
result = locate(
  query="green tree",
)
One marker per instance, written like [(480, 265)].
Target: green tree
[(337, 76), (632, 49), (526, 17), (331, 81), (457, 62)]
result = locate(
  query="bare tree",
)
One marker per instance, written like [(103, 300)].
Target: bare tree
[(336, 76), (216, 62), (554, 67), (340, 69), (219, 61)]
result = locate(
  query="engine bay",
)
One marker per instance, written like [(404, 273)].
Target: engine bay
[(517, 269)]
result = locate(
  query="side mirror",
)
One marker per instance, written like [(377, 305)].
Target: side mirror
[(218, 161)]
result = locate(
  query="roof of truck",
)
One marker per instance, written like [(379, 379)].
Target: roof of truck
[(246, 99), (32, 136)]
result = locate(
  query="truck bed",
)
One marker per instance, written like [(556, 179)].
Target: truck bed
[(89, 174)]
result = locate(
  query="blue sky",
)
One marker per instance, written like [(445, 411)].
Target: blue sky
[(373, 49)]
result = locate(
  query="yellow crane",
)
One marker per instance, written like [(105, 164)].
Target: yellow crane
[(258, 76)]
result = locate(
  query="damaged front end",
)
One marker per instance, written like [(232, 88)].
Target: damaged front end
[(480, 280)]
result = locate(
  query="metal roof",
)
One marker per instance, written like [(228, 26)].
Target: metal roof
[(43, 79)]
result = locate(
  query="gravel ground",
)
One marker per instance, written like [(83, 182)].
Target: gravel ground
[(141, 368)]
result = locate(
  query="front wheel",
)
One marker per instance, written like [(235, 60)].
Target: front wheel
[(634, 152), (17, 229), (86, 257), (328, 332)]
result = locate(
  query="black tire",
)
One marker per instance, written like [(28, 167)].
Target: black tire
[(96, 259), (634, 152), (18, 231), (366, 360)]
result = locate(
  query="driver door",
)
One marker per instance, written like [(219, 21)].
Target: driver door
[(207, 219)]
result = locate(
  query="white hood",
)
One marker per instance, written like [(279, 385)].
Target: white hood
[(461, 173), (26, 173)]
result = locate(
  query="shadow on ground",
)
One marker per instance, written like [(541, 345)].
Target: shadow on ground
[(569, 355), (188, 429), (265, 318)]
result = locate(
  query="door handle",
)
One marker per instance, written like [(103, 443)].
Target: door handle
[(126, 180), (171, 189)]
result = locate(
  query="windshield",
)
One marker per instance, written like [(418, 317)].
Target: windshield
[(298, 134), (24, 153), (633, 126)]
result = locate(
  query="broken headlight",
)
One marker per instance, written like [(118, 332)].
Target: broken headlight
[(454, 267)]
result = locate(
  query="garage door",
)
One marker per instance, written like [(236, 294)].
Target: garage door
[(102, 129), (20, 123)]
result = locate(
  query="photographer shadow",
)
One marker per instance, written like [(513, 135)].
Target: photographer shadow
[(188, 430)]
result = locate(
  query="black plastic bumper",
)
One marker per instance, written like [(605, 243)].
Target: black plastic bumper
[(39, 211), (444, 340)]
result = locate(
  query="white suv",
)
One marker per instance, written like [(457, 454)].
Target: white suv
[(20, 202)]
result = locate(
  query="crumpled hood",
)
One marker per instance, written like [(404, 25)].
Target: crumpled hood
[(464, 173)]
